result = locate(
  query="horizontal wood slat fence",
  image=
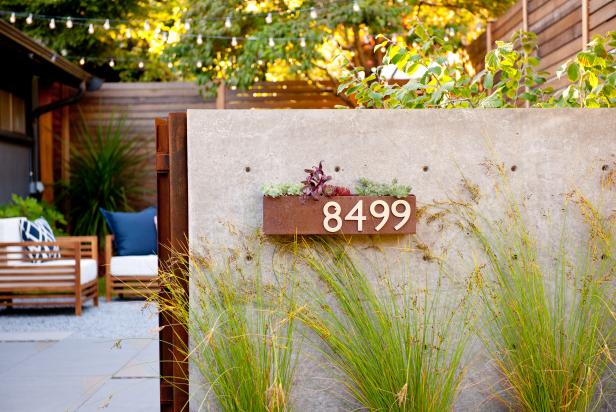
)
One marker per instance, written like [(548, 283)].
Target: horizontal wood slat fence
[(563, 27), (141, 103)]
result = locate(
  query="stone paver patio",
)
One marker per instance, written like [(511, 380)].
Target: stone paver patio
[(106, 360)]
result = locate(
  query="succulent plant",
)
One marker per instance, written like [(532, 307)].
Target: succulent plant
[(282, 189), (314, 185), (331, 190), (367, 187)]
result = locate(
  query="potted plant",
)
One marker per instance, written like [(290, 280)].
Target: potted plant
[(316, 207)]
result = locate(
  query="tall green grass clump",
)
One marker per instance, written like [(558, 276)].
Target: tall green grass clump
[(241, 334), (550, 326), (394, 348)]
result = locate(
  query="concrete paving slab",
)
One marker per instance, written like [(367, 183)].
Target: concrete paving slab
[(81, 357), (125, 395), (14, 353), (45, 394), (143, 365), (42, 336)]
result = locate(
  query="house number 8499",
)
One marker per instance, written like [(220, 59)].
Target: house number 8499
[(379, 209)]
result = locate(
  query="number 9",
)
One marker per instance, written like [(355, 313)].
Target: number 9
[(405, 215), (384, 215)]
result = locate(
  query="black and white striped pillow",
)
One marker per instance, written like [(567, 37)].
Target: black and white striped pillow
[(39, 231)]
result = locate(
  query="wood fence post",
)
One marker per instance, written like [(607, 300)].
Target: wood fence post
[(489, 36), (525, 15), (221, 95), (585, 29)]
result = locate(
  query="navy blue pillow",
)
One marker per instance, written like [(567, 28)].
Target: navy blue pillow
[(134, 232)]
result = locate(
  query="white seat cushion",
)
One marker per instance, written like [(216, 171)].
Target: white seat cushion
[(146, 265), (10, 229), (88, 272)]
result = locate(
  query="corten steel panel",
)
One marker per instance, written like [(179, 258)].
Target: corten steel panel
[(288, 215), (172, 234)]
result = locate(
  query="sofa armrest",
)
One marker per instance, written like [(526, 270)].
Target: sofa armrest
[(88, 245), (16, 253), (108, 249)]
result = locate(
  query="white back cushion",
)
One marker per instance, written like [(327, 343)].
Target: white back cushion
[(9, 229)]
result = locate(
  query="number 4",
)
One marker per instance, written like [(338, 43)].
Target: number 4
[(357, 214)]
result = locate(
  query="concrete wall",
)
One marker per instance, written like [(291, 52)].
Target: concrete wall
[(231, 154)]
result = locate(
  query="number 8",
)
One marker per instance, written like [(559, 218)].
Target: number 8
[(332, 216)]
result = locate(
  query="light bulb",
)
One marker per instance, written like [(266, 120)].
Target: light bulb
[(268, 19), (187, 25), (69, 23), (234, 42), (170, 65), (64, 52), (111, 63), (91, 28), (54, 58), (141, 65), (199, 64), (302, 42), (394, 38), (129, 33), (356, 7), (106, 25), (228, 22), (271, 42), (82, 61), (146, 25), (12, 19), (52, 24), (199, 39), (29, 19), (313, 13)]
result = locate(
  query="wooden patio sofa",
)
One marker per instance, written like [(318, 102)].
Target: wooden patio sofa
[(68, 280), (129, 276)]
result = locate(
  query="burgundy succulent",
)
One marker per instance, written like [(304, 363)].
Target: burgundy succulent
[(331, 190), (314, 185)]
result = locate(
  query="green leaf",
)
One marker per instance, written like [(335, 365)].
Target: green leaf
[(488, 81), (573, 72)]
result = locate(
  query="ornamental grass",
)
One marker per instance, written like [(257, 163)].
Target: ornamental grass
[(395, 348)]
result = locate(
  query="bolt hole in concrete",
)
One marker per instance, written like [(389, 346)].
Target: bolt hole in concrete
[(604, 167), (337, 169), (425, 168), (247, 169), (514, 168)]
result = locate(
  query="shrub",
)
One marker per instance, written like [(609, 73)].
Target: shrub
[(32, 209), (107, 171), (396, 348)]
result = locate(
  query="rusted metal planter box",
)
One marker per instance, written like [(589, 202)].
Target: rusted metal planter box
[(345, 215)]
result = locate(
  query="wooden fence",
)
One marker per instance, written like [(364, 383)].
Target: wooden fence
[(563, 27), (141, 103)]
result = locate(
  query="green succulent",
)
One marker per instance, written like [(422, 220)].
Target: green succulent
[(282, 189), (367, 187)]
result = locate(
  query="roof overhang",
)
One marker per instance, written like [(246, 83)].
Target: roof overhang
[(21, 52)]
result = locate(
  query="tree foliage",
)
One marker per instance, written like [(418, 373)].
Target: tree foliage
[(510, 77)]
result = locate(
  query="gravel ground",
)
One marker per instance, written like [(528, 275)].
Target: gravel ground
[(113, 320)]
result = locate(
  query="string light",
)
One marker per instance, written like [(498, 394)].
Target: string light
[(268, 19), (313, 13), (91, 28), (199, 39), (271, 42), (234, 42), (146, 25), (228, 22), (82, 61), (106, 25), (356, 7), (12, 19), (29, 19), (54, 58), (52, 24), (199, 64), (129, 33), (394, 38), (187, 25), (111, 63), (302, 42), (170, 65), (69, 23), (141, 65)]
